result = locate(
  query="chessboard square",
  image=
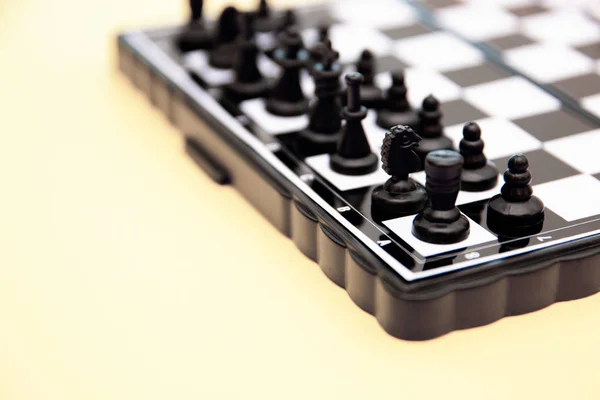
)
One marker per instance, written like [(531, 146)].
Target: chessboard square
[(256, 111), (543, 166), (591, 50), (580, 86), (439, 51), (507, 3), (501, 138), (374, 132), (567, 27), (402, 227), (379, 14), (351, 40), (320, 163), (525, 11), (389, 63), (466, 197), (510, 98), (311, 18), (197, 63), (402, 32), (572, 198), (268, 67), (579, 151), (478, 22), (592, 104), (459, 111), (421, 82), (509, 42), (547, 63), (554, 125), (476, 75), (436, 4)]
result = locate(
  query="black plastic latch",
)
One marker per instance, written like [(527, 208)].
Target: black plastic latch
[(213, 168)]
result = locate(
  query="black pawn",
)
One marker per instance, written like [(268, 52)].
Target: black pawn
[(195, 35), (325, 113), (371, 95), (441, 222), (396, 109), (400, 195), (316, 50), (431, 129), (353, 155), (249, 82), (478, 174), (287, 98), (289, 21), (515, 211), (223, 54)]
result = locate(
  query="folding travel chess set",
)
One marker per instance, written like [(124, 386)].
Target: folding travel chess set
[(441, 168)]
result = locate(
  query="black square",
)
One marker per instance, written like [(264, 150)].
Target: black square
[(459, 111), (315, 17), (389, 63), (526, 11), (597, 176), (544, 167), (510, 42), (441, 3), (476, 75), (580, 86), (406, 31), (590, 50), (554, 125)]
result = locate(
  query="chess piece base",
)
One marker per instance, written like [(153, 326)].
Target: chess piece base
[(287, 109), (441, 227), (480, 179), (515, 219), (240, 91), (388, 205), (354, 166), (194, 37), (388, 118), (318, 142)]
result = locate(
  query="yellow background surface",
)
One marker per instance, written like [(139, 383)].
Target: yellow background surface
[(126, 273)]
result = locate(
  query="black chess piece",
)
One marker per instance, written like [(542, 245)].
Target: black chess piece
[(289, 20), (196, 35), (249, 82), (431, 129), (400, 195), (316, 50), (396, 109), (286, 98), (353, 155), (516, 211), (371, 95), (478, 173), (441, 222), (325, 113), (223, 53), (265, 20)]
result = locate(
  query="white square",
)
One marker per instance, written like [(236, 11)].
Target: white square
[(268, 67), (379, 14), (439, 51), (197, 62), (256, 111), (343, 182), (422, 82), (511, 98), (467, 197), (501, 137), (571, 198), (579, 151), (592, 104), (568, 27), (374, 132), (506, 3), (478, 22), (403, 228), (548, 62)]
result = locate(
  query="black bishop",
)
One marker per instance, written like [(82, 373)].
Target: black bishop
[(353, 155)]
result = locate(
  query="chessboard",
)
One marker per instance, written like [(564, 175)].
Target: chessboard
[(555, 43), (442, 189)]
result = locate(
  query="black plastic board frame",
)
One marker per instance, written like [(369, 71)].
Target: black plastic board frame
[(418, 310)]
